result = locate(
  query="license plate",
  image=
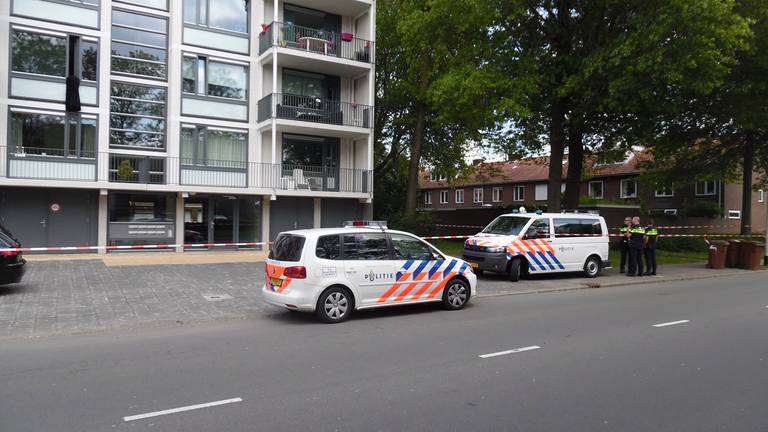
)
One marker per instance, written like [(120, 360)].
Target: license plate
[(276, 281), (474, 264)]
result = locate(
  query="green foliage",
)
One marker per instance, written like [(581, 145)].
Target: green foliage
[(701, 208), (682, 244), (422, 223)]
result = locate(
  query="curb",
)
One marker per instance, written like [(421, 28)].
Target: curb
[(616, 284)]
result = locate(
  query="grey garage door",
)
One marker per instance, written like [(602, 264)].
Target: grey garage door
[(290, 213)]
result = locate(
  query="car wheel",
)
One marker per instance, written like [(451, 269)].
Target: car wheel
[(456, 294), (592, 267), (515, 268), (335, 305)]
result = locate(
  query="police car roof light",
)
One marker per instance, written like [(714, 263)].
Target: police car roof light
[(366, 224)]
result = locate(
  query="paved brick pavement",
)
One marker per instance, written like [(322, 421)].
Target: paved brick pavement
[(82, 295)]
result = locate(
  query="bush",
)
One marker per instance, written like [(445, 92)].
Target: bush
[(681, 244), (423, 223), (707, 209)]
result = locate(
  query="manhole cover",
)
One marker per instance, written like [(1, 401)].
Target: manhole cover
[(216, 297)]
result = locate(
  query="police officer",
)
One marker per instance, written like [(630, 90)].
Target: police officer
[(636, 238), (624, 243), (651, 233)]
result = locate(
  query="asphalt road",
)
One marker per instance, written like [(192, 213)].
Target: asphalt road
[(600, 365)]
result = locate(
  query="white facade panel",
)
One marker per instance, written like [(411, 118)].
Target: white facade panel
[(215, 40), (57, 12), (202, 177), (49, 90), (54, 170), (208, 108)]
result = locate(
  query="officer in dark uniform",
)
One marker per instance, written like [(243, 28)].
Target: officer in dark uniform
[(636, 237), (651, 233), (624, 243)]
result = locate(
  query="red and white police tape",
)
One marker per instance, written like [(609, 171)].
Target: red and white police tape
[(458, 226), (125, 247)]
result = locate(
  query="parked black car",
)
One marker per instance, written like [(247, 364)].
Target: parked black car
[(11, 263)]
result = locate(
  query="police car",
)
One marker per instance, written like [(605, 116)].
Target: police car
[(335, 271), (532, 243)]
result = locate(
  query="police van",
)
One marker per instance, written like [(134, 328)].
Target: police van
[(533, 243), (334, 271)]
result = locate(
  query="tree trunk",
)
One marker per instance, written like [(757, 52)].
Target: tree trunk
[(556, 144), (575, 168), (413, 167), (746, 186)]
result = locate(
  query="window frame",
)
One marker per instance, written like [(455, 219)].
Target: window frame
[(135, 3), (205, 78), (164, 134), (518, 193), (75, 3), (201, 133), (734, 214), (341, 247), (590, 191), (592, 222), (456, 196), (704, 183), (390, 252), (496, 194), (761, 195), (664, 193), (207, 27), (444, 194), (112, 40), (475, 195), (16, 152), (622, 195), (428, 197), (432, 252)]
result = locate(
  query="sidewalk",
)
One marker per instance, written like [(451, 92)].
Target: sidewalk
[(84, 295)]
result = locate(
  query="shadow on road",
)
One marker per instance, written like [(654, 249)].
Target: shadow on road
[(17, 288), (303, 318)]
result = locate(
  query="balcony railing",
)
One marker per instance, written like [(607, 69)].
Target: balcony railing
[(314, 110), (51, 164), (342, 45)]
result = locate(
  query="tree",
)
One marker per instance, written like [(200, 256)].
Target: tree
[(439, 89), (603, 67)]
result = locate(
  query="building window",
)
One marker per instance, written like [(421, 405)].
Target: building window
[(761, 196), (518, 193), (53, 134), (214, 147), (432, 177), (46, 54), (477, 196), (628, 189), (672, 212), (443, 177), (207, 77), (230, 15), (540, 193), (496, 194), (459, 196), (139, 44), (141, 218), (734, 214), (596, 189), (137, 116), (154, 4), (428, 197), (708, 187), (664, 192), (443, 197)]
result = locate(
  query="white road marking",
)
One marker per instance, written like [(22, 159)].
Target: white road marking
[(181, 409), (671, 323), (512, 351)]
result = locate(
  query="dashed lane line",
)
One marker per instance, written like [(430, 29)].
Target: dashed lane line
[(671, 323), (181, 409), (512, 351)]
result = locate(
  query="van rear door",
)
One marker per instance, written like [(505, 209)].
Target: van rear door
[(575, 239)]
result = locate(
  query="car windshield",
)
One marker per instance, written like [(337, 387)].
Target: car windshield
[(506, 225), (287, 247)]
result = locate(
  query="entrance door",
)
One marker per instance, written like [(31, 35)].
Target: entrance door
[(196, 221), (223, 225)]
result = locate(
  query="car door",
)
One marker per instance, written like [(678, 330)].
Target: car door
[(418, 269), (570, 242), (368, 265), (538, 245)]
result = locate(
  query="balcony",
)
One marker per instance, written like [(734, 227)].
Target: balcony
[(309, 40), (314, 110), (58, 165)]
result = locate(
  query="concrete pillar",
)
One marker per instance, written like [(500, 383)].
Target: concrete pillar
[(318, 213), (368, 211), (265, 203), (102, 220), (179, 221)]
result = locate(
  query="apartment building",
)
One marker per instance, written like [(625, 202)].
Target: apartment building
[(611, 188), (133, 122)]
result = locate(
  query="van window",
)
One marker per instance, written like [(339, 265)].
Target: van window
[(287, 247), (506, 225), (328, 247), (577, 227), (539, 228), (365, 246), (409, 248)]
